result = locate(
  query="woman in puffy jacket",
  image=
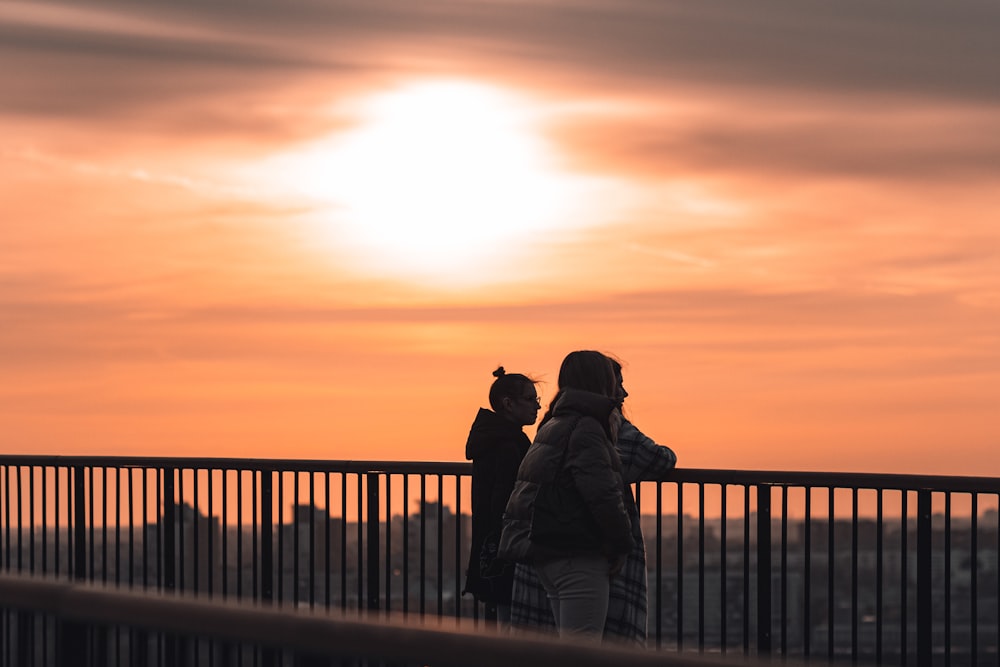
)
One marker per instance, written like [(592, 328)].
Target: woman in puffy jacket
[(642, 459), (566, 515)]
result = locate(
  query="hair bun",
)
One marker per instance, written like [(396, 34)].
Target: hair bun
[(499, 372)]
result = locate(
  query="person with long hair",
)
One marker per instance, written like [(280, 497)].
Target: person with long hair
[(496, 445), (566, 517), (642, 460)]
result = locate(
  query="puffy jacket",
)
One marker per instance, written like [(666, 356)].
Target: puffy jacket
[(579, 426)]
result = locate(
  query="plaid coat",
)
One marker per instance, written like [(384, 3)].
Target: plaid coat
[(642, 460)]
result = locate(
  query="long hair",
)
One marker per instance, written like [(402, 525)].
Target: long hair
[(586, 370)]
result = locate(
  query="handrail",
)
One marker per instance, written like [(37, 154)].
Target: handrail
[(315, 632), (789, 478), (851, 529)]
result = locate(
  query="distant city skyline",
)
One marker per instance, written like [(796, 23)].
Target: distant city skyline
[(323, 541)]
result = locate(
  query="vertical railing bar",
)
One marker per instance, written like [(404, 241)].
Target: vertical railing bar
[(903, 577), (279, 573), (131, 528), (239, 533), (45, 520), (879, 581), (440, 544), (104, 524), (266, 556), (118, 524), (854, 574), (20, 526), (7, 649), (343, 540), (31, 518), (360, 529), (210, 538), (225, 531), (327, 475), (924, 601), (255, 508), (172, 488), (312, 538), (55, 519), (31, 515), (118, 549), (746, 568), (458, 546), (160, 476), (388, 543), (723, 573), (296, 525), (93, 517), (145, 527), (947, 579), (807, 574), (181, 551), (763, 569), (637, 497), (974, 581), (6, 516), (406, 545), (423, 542), (784, 570), (831, 557), (680, 566), (701, 566), (659, 564)]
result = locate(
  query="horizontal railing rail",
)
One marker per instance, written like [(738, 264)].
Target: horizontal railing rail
[(937, 483), (884, 568), (83, 617)]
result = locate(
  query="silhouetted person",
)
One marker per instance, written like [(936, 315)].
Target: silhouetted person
[(642, 460), (566, 516), (496, 445)]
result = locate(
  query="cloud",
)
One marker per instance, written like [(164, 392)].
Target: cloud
[(782, 46)]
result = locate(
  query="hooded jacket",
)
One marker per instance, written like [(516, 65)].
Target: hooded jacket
[(580, 428), (496, 447)]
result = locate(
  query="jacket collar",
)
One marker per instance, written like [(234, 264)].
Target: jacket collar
[(585, 403)]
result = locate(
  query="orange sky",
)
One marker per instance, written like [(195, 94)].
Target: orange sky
[(313, 228)]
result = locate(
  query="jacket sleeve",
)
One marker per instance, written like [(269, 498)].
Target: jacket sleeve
[(642, 459), (595, 475)]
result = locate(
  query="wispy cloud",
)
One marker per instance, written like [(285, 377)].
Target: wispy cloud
[(816, 235)]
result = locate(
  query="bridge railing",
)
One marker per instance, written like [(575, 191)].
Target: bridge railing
[(93, 625), (887, 569)]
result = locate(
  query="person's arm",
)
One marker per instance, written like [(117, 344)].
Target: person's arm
[(642, 459)]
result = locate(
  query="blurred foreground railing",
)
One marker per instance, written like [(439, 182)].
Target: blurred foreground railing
[(87, 625), (887, 569)]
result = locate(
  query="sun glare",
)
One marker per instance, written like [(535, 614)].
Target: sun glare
[(437, 179)]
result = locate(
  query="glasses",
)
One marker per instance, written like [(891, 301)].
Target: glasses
[(531, 399)]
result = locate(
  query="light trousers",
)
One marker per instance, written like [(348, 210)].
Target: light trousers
[(578, 588)]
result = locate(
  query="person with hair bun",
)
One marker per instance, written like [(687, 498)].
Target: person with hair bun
[(496, 445)]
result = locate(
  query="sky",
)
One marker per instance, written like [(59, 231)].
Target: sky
[(313, 228)]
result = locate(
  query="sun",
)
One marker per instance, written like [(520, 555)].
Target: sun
[(439, 180)]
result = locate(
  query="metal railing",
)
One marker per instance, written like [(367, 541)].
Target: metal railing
[(889, 569), (87, 621)]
